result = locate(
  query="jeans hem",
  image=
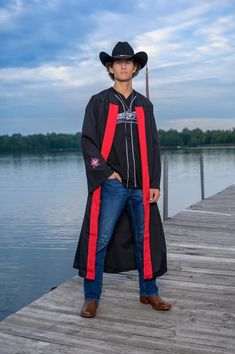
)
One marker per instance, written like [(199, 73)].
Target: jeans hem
[(152, 294)]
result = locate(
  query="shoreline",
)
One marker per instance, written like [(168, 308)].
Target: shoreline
[(163, 148)]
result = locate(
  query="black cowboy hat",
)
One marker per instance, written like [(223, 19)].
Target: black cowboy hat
[(123, 50)]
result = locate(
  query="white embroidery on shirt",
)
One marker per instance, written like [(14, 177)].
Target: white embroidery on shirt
[(127, 117), (95, 162)]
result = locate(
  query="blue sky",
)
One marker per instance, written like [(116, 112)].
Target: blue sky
[(49, 65)]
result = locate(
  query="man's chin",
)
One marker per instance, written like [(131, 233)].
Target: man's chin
[(121, 79)]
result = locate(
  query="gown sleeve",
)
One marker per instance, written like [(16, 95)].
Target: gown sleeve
[(155, 172), (97, 170)]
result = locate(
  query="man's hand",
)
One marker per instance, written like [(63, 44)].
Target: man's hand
[(154, 195), (115, 175)]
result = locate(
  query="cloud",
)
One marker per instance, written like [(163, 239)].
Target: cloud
[(43, 76), (49, 62), (9, 14)]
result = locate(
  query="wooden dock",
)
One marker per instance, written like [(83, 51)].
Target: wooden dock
[(199, 283)]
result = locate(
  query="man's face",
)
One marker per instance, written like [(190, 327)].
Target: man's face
[(123, 69)]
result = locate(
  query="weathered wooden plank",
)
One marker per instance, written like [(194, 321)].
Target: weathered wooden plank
[(118, 340), (169, 288), (182, 316), (11, 343), (68, 344)]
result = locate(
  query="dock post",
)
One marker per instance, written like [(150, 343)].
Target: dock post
[(202, 176), (165, 188)]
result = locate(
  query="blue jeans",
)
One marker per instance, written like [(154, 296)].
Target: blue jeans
[(114, 197)]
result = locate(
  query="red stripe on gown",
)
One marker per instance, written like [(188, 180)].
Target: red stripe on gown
[(147, 263), (95, 204)]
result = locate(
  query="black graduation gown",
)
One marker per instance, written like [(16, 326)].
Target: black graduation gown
[(97, 136)]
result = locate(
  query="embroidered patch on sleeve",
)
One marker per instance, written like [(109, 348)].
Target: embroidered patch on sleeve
[(95, 162)]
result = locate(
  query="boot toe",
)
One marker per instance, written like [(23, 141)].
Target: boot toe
[(89, 309), (156, 302)]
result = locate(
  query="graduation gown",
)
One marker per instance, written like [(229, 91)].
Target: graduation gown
[(97, 136)]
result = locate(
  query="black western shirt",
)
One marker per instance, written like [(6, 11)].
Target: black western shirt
[(124, 156)]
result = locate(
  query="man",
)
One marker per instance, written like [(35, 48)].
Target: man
[(122, 228)]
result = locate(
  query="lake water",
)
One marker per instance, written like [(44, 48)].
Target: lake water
[(42, 201)]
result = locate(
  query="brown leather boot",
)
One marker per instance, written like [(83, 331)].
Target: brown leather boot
[(156, 302), (89, 308)]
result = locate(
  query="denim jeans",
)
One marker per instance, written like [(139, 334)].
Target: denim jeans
[(114, 197)]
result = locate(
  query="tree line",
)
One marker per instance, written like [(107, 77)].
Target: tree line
[(70, 142)]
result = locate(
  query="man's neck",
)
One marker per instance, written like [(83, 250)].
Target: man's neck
[(125, 88)]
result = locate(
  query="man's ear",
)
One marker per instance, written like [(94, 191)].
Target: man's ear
[(135, 68), (111, 69)]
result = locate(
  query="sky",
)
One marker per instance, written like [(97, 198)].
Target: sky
[(49, 60)]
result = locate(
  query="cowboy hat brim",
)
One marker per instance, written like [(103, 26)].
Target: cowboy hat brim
[(140, 58)]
